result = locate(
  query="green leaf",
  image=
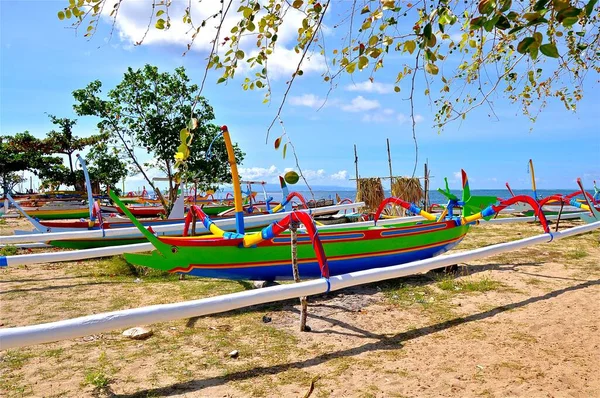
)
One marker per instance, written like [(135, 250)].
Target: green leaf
[(160, 24), (160, 12), (297, 3), (540, 5), (486, 7), (568, 12), (589, 7), (362, 62), (431, 68), (503, 23), (396, 89), (221, 80), (351, 67), (570, 21), (549, 50), (512, 16), (61, 15), (239, 54), (284, 150), (525, 44), (410, 46), (427, 31), (505, 5), (373, 40), (477, 23)]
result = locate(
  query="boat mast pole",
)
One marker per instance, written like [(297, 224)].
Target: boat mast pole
[(533, 180), (88, 186), (237, 189)]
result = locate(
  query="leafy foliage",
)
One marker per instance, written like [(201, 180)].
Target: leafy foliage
[(152, 109), (23, 152), (467, 50)]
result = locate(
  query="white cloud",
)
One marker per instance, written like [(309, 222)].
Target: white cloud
[(340, 175), (309, 100), (402, 118), (371, 87), (360, 104), (258, 173), (271, 174), (457, 175), (133, 18)]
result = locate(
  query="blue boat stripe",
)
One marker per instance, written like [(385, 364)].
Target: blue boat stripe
[(323, 238), (412, 230)]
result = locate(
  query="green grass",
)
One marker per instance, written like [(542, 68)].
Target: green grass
[(14, 359), (97, 378), (8, 250), (577, 254), (469, 285)]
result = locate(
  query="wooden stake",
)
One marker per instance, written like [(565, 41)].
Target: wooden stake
[(562, 204), (356, 168), (394, 208), (303, 301), (426, 186)]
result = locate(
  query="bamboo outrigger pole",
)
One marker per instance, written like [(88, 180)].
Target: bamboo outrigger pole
[(21, 336)]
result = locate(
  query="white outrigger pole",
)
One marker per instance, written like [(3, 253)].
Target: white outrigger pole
[(78, 327)]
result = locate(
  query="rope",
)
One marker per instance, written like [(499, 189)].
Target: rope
[(208, 155)]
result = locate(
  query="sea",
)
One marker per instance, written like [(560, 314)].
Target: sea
[(434, 196)]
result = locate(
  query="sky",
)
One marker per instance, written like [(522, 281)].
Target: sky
[(42, 61)]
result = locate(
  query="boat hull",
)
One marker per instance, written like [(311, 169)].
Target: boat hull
[(347, 250), (59, 214)]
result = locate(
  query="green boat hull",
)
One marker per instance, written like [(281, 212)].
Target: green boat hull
[(347, 250)]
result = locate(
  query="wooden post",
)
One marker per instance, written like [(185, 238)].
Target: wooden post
[(562, 204), (356, 171), (303, 301), (426, 186), (390, 163), (394, 208)]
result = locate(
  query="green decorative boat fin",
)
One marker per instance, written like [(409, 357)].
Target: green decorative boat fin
[(164, 249)]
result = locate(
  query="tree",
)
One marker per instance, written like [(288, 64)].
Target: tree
[(66, 143), (465, 51), (106, 166), (23, 152), (150, 109)]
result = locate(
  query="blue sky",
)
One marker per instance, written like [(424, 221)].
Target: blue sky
[(43, 61)]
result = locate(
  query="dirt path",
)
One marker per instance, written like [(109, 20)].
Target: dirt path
[(522, 324)]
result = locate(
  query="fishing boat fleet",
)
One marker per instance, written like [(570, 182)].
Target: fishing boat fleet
[(240, 237)]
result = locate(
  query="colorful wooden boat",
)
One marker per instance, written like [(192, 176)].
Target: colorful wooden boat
[(59, 214), (266, 255)]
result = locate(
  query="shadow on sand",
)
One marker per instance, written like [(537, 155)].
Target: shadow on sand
[(382, 343)]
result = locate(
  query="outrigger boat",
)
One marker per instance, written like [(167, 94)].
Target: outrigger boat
[(265, 255), (554, 204)]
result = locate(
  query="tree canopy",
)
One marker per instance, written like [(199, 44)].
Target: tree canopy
[(23, 152), (151, 110), (467, 50)]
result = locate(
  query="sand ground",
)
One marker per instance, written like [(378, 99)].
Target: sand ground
[(522, 324)]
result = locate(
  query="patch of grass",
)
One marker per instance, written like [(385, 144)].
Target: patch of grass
[(14, 359), (9, 250), (469, 285), (577, 254), (54, 353), (525, 337), (97, 378), (436, 303)]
